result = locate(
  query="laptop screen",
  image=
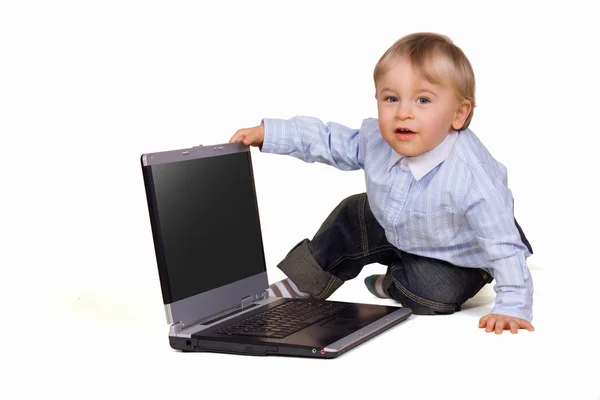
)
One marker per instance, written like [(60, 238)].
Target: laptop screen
[(209, 222)]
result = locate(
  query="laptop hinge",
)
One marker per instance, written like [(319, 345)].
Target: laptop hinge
[(176, 328), (246, 301)]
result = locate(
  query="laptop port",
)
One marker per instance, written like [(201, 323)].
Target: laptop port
[(188, 344)]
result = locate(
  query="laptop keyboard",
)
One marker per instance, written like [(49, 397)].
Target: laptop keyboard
[(283, 320)]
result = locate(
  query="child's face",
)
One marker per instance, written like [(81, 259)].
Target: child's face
[(406, 101)]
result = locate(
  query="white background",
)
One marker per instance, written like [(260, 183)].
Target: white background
[(87, 87)]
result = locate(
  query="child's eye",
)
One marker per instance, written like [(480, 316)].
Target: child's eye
[(391, 99), (423, 100)]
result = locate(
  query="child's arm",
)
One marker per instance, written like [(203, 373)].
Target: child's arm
[(308, 139), (489, 212)]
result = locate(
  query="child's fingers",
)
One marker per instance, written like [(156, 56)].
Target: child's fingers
[(483, 321), (526, 325), (500, 322), (238, 136), (490, 324), (247, 136), (249, 139), (514, 327), (243, 135)]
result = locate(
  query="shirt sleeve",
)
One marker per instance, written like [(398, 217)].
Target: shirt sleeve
[(311, 140), (489, 213)]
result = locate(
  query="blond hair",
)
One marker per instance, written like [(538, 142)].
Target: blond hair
[(438, 60)]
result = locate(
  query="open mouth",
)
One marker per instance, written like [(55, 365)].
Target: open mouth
[(404, 133)]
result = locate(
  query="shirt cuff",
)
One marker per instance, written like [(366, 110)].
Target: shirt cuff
[(527, 315), (275, 133)]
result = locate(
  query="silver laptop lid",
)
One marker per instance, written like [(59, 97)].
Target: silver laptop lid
[(206, 229)]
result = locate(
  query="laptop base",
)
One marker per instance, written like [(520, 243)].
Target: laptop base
[(327, 338)]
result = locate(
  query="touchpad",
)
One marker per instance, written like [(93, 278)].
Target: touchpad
[(342, 323)]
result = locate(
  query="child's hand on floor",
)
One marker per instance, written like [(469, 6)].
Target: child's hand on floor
[(497, 323), (249, 136)]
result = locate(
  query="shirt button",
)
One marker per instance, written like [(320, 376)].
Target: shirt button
[(390, 214)]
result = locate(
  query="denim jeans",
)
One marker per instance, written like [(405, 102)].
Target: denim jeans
[(351, 237)]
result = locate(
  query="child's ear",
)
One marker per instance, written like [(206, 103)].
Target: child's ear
[(461, 114)]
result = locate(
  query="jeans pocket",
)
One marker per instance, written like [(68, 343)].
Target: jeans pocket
[(435, 229)]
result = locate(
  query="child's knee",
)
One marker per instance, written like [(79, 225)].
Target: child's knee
[(418, 304)]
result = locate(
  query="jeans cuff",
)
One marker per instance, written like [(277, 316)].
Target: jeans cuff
[(302, 269)]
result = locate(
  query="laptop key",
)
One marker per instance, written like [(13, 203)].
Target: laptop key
[(284, 320)]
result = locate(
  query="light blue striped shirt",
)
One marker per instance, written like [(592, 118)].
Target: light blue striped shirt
[(451, 203)]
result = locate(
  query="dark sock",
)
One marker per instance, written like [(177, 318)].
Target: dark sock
[(378, 285)]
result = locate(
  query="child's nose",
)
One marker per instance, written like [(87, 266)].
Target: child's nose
[(404, 111)]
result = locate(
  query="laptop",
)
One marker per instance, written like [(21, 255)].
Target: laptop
[(208, 245)]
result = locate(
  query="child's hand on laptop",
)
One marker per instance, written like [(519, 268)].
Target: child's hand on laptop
[(249, 136)]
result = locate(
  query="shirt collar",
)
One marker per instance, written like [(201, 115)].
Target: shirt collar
[(422, 164)]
